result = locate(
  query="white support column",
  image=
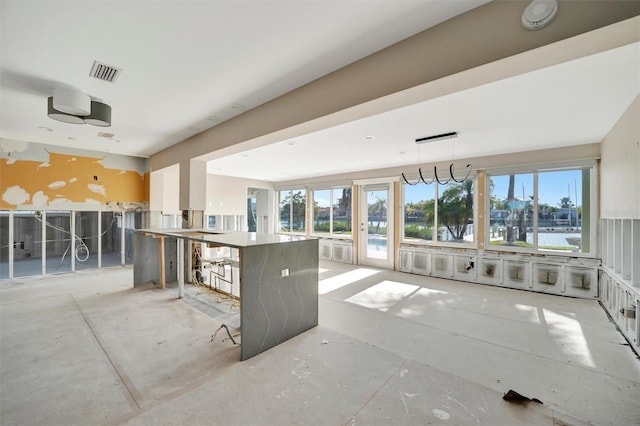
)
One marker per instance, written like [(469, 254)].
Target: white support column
[(11, 242), (193, 185), (99, 238), (180, 270), (122, 238), (43, 233), (193, 198), (72, 235)]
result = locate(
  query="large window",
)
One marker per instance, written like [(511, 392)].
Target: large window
[(291, 210), (544, 210), (439, 213), (332, 211)]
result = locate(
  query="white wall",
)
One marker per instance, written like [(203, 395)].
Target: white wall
[(164, 190), (228, 195), (620, 167)]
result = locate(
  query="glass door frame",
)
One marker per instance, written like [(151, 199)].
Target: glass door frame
[(363, 226)]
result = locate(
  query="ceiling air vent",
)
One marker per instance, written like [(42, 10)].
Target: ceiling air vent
[(105, 72), (106, 135)]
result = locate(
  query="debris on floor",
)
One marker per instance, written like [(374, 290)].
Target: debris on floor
[(324, 342), (513, 396), (213, 336)]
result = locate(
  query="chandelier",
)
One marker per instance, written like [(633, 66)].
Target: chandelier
[(435, 177)]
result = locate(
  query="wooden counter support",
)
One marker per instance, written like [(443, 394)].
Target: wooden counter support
[(163, 279)]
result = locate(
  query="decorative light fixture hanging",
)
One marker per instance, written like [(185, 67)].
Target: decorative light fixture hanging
[(435, 178), (70, 106)]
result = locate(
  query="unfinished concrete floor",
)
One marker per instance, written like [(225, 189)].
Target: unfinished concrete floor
[(391, 349)]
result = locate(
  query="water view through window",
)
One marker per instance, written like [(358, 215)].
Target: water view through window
[(549, 219)]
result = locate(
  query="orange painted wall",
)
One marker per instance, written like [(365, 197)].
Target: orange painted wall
[(73, 178)]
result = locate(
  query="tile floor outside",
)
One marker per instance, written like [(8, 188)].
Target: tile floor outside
[(390, 349)]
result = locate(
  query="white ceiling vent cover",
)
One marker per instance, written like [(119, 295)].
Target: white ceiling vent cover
[(105, 72)]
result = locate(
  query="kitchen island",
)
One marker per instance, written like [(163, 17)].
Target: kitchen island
[(278, 277)]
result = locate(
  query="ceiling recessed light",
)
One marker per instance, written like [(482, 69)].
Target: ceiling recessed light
[(237, 107), (71, 138), (291, 143), (45, 129), (369, 138), (213, 118), (245, 155), (402, 152), (114, 140)]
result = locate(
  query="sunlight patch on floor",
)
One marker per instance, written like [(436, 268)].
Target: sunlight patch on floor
[(383, 295), (567, 333), (531, 311), (330, 284)]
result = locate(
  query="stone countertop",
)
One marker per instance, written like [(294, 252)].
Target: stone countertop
[(226, 239)]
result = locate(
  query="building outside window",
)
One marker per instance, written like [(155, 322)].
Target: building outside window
[(332, 211), (544, 210), (439, 213), (292, 210)]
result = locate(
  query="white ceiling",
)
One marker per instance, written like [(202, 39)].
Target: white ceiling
[(186, 65), (189, 65), (573, 103)]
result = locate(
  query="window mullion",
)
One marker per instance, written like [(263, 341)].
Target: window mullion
[(434, 234), (535, 211), (331, 212), (291, 211)]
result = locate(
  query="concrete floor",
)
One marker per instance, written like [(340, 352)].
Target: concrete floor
[(391, 349)]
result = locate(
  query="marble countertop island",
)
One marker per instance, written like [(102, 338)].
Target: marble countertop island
[(278, 278), (226, 239)]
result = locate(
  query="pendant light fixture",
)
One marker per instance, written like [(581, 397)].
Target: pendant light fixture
[(436, 178)]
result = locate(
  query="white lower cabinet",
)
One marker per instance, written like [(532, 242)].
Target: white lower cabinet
[(336, 250)]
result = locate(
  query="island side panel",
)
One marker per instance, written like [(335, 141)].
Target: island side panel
[(146, 262), (273, 307)]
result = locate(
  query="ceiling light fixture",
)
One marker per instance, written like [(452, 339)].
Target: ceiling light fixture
[(435, 138), (100, 115), (74, 107), (435, 178), (71, 102)]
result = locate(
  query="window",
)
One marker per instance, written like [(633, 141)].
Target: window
[(511, 210), (291, 210), (332, 211), (439, 213), (544, 210), (211, 221)]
